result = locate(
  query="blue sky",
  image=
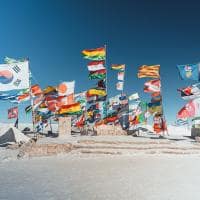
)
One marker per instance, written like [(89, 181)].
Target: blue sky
[(53, 33)]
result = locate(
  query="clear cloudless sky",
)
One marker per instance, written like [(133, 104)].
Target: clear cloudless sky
[(52, 33)]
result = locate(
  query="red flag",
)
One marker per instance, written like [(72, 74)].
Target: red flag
[(13, 113), (36, 90)]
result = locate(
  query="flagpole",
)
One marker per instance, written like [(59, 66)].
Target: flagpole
[(162, 105), (106, 79), (31, 99)]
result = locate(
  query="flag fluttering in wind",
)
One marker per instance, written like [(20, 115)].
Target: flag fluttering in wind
[(120, 76), (72, 109), (190, 92), (23, 97), (36, 90), (191, 109), (96, 65), (152, 86), (189, 72), (66, 88), (13, 112), (120, 67), (14, 76), (134, 96), (95, 54), (149, 71), (99, 74), (49, 90), (120, 85), (96, 92)]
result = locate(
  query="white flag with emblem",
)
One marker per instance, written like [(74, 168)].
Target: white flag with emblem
[(14, 76)]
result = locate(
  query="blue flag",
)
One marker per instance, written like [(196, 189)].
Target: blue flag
[(189, 72)]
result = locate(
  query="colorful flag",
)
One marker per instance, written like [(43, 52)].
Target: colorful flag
[(14, 76), (152, 86), (155, 94), (95, 65), (66, 88), (65, 100), (23, 97), (154, 104), (151, 71), (36, 90), (99, 74), (13, 113), (120, 67), (120, 85), (189, 72), (190, 92), (94, 54), (72, 109), (96, 92), (120, 76), (134, 96), (49, 90), (191, 109), (156, 99), (155, 109)]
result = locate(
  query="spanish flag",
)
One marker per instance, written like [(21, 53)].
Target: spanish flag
[(149, 71), (118, 67), (72, 109), (94, 54)]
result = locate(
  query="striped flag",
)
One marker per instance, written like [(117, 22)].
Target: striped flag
[(149, 71), (94, 54), (95, 65), (120, 67)]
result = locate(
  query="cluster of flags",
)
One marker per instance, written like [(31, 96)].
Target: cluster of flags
[(96, 106), (120, 68), (190, 93), (153, 86), (91, 106)]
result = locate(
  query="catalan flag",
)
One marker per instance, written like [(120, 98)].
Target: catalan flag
[(120, 67), (149, 71), (94, 54)]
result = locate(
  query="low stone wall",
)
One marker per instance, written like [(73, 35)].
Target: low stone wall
[(34, 149), (110, 130)]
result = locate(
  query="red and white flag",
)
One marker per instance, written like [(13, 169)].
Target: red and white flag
[(96, 65), (66, 88), (152, 86), (13, 113)]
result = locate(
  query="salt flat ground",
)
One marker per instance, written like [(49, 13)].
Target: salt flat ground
[(85, 177)]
